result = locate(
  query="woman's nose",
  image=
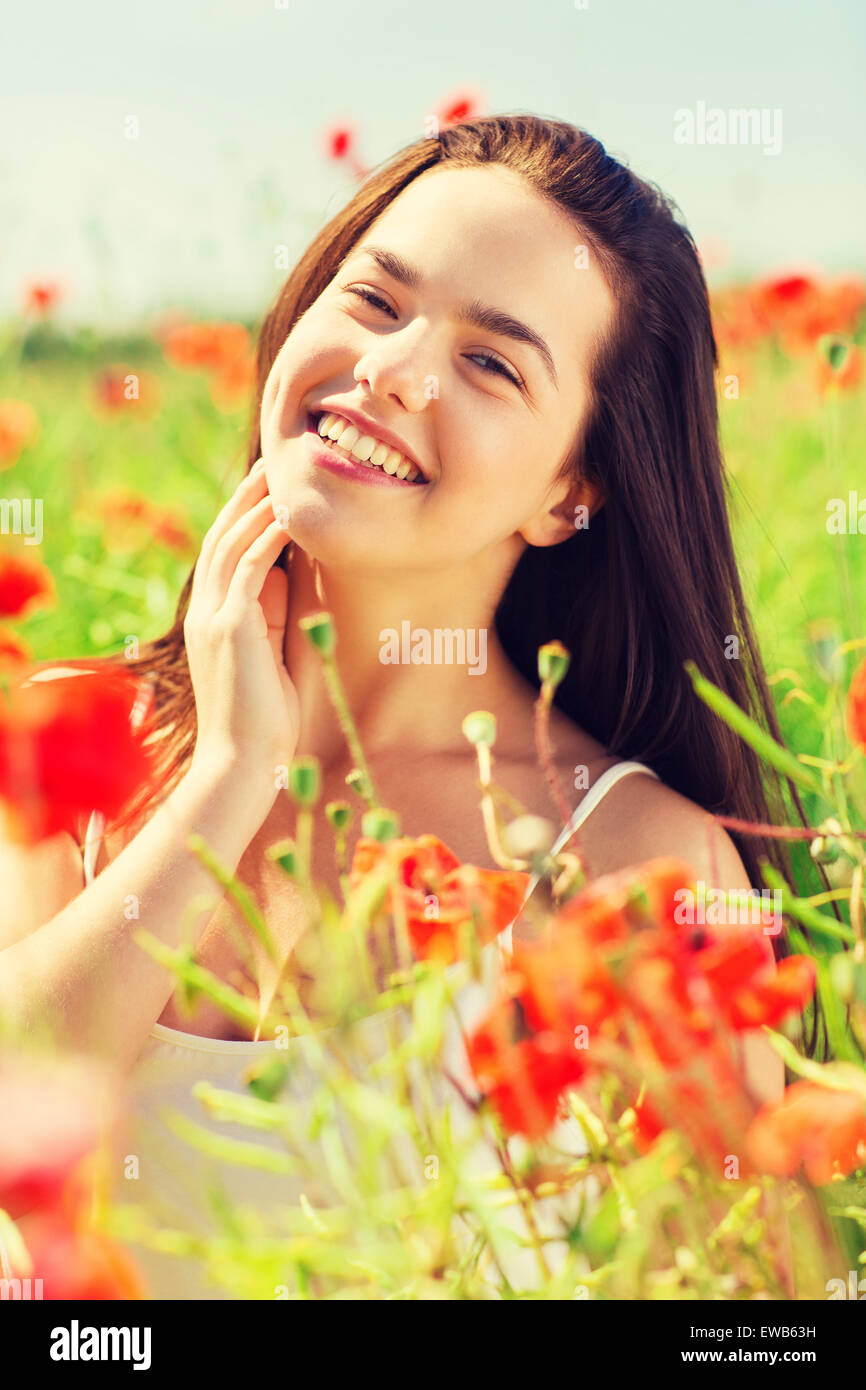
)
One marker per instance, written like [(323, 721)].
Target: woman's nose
[(402, 364)]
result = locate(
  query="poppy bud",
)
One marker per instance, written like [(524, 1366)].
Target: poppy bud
[(319, 628), (480, 728), (380, 825), (304, 781), (553, 661)]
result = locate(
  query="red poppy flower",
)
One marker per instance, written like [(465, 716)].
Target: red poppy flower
[(522, 1073), (846, 377), (40, 297), (821, 1129), (132, 522), (25, 584), (14, 651), (438, 895), (53, 1113), (339, 140), (74, 1262), (460, 105), (855, 708), (233, 381), (206, 346), (67, 746), (19, 427), (117, 389)]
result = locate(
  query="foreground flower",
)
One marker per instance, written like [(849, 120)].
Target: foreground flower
[(74, 1262), (14, 651), (67, 747), (439, 896), (813, 1126), (522, 1072), (25, 584), (19, 427), (628, 980), (855, 707), (54, 1109)]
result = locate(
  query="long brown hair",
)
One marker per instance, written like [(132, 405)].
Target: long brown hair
[(652, 581)]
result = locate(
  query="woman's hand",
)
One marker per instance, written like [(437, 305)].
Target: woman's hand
[(246, 705)]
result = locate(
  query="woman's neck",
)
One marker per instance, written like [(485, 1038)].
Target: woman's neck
[(415, 653)]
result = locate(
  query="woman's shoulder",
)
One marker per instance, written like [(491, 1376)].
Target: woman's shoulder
[(642, 818)]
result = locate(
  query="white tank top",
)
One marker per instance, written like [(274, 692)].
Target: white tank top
[(173, 1181)]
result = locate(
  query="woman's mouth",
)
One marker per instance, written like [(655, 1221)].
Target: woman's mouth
[(342, 447)]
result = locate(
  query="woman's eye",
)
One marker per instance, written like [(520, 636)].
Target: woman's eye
[(496, 365), (493, 364), (375, 299)]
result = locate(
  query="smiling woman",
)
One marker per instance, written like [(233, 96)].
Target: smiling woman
[(503, 331)]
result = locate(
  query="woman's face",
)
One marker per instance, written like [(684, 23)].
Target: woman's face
[(472, 352)]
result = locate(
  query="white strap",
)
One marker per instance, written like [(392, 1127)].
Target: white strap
[(597, 791)]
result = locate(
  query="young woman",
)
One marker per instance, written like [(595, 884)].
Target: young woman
[(486, 403)]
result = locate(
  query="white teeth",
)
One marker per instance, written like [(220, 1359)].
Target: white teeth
[(361, 448), (366, 449)]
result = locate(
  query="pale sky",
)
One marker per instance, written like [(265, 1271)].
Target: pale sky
[(231, 96)]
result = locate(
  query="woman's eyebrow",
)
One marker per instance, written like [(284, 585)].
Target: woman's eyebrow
[(476, 313)]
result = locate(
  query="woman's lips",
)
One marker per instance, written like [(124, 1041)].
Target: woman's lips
[(325, 455)]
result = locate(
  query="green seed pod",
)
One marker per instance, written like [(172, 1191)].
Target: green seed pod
[(528, 836), (339, 814), (319, 628), (304, 781), (553, 661), (283, 853), (480, 728), (380, 824)]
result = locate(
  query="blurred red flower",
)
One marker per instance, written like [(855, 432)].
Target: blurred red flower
[(522, 1072), (75, 1262), (41, 296), (206, 346), (25, 584), (132, 522), (813, 1126), (462, 104), (844, 376), (19, 427), (67, 746), (54, 1109), (233, 381), (14, 651), (122, 388), (438, 894), (626, 971), (855, 707), (339, 140)]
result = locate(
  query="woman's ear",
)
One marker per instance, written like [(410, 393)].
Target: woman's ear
[(573, 506)]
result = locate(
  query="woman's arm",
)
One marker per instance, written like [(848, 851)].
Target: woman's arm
[(81, 974)]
